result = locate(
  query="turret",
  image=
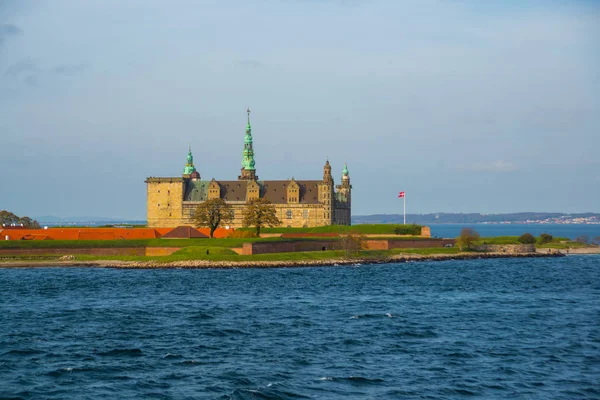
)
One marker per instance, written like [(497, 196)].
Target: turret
[(326, 193), (327, 173), (345, 176), (189, 165), (248, 163)]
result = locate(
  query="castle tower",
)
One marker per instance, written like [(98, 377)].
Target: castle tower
[(327, 172), (343, 198), (326, 195), (189, 165), (248, 170)]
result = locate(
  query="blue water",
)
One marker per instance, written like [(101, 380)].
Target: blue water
[(494, 329), (570, 231)]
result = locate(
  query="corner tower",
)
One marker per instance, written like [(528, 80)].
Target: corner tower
[(248, 169), (343, 200), (326, 194)]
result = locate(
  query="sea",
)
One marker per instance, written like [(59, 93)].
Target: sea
[(571, 231), (526, 328)]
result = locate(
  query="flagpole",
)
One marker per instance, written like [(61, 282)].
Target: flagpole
[(404, 208)]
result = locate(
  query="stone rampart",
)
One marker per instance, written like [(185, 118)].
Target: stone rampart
[(320, 245), (290, 246), (507, 248)]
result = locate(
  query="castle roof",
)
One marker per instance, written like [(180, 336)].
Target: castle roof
[(234, 191)]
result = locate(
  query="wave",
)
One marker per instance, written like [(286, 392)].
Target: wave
[(387, 315), (353, 380), (122, 352), (23, 352)]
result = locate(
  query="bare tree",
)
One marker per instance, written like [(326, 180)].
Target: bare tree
[(212, 214), (583, 239), (466, 238), (260, 212), (351, 243)]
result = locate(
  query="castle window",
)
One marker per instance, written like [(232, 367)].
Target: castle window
[(158, 190), (168, 192), (305, 214), (288, 214)]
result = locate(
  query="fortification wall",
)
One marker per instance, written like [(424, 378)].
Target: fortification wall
[(290, 247), (319, 245), (507, 248), (419, 244)]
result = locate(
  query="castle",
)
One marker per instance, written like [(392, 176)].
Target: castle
[(299, 203)]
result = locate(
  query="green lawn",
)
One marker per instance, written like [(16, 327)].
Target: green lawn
[(381, 229), (298, 256), (222, 254), (57, 244), (512, 240), (562, 245)]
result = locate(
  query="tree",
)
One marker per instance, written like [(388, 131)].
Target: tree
[(258, 213), (545, 238), (466, 238), (352, 242), (212, 214), (583, 239), (526, 238), (596, 240), (8, 218)]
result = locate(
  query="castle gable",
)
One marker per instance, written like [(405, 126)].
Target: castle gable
[(276, 191), (233, 190)]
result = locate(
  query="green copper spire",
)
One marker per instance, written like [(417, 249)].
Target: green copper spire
[(345, 171), (189, 166), (248, 153)]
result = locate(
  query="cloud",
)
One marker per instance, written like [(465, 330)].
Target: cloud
[(250, 64), (8, 30), (28, 71), (26, 65), (68, 69), (31, 80), (496, 166)]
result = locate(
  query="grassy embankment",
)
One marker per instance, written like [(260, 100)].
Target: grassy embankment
[(220, 249), (557, 242), (380, 229), (364, 229)]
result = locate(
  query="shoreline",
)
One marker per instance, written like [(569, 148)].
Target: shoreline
[(399, 258)]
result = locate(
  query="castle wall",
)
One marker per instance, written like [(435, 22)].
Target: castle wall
[(341, 214), (302, 215), (165, 196)]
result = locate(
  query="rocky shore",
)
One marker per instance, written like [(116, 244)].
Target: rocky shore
[(399, 258)]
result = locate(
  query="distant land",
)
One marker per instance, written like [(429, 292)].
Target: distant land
[(422, 219), (51, 220), (479, 218)]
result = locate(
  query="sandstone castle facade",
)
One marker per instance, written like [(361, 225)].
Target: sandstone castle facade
[(299, 203)]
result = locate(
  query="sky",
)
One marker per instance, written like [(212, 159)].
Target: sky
[(467, 106)]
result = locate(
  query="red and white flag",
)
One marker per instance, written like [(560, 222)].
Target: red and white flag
[(401, 194)]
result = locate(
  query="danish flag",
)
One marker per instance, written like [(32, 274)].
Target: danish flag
[(401, 194)]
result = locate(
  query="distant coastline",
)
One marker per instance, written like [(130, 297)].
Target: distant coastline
[(529, 218)]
